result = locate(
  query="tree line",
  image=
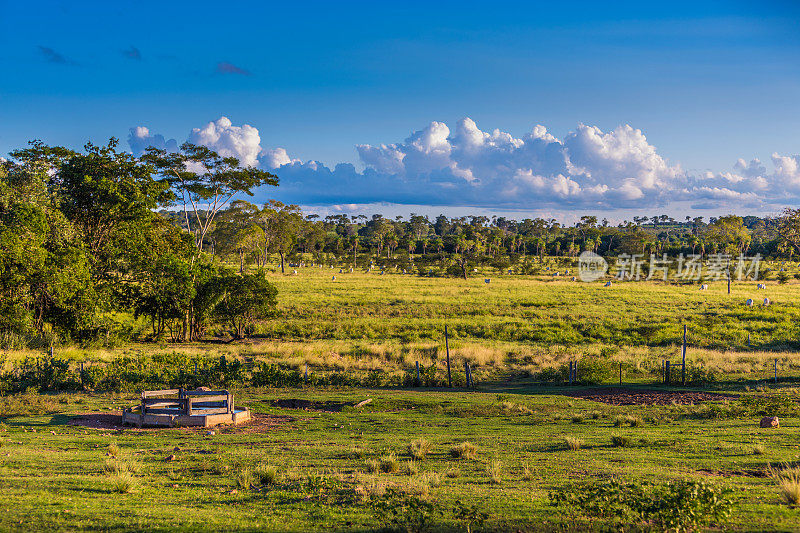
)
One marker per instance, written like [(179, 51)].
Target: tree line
[(94, 238)]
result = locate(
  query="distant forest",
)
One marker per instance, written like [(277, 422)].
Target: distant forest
[(91, 239)]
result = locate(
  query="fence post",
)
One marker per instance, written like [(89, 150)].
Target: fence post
[(666, 373), (81, 375), (575, 372), (305, 377), (775, 370), (620, 373), (418, 382), (683, 367), (569, 379), (51, 350), (447, 350), (469, 372)]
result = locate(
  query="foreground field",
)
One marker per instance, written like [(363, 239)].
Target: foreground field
[(333, 468)]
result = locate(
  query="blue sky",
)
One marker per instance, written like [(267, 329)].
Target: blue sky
[(707, 83)]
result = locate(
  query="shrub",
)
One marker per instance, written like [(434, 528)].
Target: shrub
[(677, 506), (465, 450), (410, 468), (573, 443), (372, 465), (758, 449), (419, 448), (577, 419)]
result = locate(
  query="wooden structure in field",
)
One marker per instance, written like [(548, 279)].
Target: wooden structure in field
[(185, 408)]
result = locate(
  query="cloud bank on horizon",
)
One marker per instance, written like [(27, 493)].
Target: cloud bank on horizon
[(467, 167)]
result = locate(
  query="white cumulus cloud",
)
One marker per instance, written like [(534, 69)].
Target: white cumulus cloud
[(242, 142), (467, 166)]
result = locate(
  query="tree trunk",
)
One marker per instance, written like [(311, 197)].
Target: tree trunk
[(282, 270)]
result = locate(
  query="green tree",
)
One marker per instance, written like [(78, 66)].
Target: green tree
[(243, 300), (205, 183)]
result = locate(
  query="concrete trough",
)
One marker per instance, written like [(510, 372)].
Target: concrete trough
[(185, 408)]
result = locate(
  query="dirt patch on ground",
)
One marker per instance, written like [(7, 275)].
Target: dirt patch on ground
[(615, 396), (308, 405), (112, 421), (731, 473)]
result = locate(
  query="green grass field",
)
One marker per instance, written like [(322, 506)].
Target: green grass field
[(53, 474), (299, 470)]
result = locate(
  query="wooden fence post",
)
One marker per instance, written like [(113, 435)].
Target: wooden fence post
[(81, 375), (620, 373), (683, 352), (666, 373), (569, 379), (447, 350), (775, 370), (305, 376), (418, 382)]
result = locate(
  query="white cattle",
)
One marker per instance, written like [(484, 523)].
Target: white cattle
[(761, 286), (704, 287), (766, 302), (749, 302), (608, 284), (333, 278), (294, 272)]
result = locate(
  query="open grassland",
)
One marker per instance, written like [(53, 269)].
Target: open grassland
[(321, 470), (362, 322)]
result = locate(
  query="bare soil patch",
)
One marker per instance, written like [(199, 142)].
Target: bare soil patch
[(621, 396), (308, 405), (258, 423)]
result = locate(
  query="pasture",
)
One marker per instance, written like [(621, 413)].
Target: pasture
[(400, 462)]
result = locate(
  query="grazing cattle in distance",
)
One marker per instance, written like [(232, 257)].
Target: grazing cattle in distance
[(703, 287), (487, 281), (749, 302), (608, 284), (761, 286), (766, 302)]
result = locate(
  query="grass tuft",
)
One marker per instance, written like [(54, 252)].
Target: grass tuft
[(495, 471), (620, 441), (266, 474), (419, 448), (389, 464), (573, 443), (124, 483), (465, 450)]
